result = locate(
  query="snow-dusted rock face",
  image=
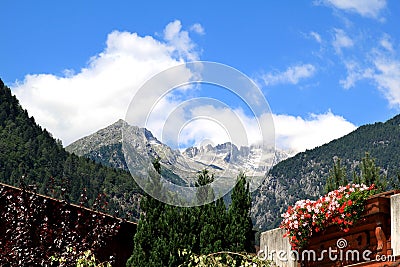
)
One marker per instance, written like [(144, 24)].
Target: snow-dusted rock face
[(225, 159)]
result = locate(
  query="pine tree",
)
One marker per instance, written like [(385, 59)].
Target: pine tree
[(239, 232), (149, 244), (337, 176), (395, 181), (370, 173), (207, 215), (212, 222), (164, 231), (356, 178), (205, 193)]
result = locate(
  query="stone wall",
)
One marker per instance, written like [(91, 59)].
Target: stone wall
[(395, 223), (276, 248)]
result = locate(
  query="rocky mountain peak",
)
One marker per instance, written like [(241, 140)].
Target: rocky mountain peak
[(106, 146)]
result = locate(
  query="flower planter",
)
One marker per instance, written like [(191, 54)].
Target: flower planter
[(370, 235)]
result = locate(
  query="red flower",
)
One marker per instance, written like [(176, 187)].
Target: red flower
[(330, 209), (341, 209), (285, 235), (371, 187)]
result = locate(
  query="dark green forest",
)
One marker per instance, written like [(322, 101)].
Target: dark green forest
[(30, 155), (168, 235)]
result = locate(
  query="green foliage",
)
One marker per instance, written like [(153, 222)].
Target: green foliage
[(212, 216), (27, 150), (149, 246), (165, 231), (205, 194), (368, 174), (337, 176), (223, 259), (85, 259), (395, 181), (88, 259), (371, 174), (239, 228)]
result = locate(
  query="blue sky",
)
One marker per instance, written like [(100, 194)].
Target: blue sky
[(324, 66)]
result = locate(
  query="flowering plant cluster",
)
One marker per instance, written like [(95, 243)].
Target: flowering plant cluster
[(342, 207)]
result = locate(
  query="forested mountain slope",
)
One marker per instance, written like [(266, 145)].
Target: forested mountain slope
[(304, 175), (30, 155)]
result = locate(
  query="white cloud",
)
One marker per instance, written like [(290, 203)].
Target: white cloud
[(292, 133), (218, 125), (355, 73), (387, 77), (366, 8), (316, 36), (197, 28), (299, 134), (291, 76), (341, 40), (180, 40), (194, 122), (386, 43), (382, 68), (77, 104)]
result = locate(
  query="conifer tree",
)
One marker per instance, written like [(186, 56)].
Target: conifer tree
[(239, 232), (395, 181), (207, 214), (370, 173), (204, 193), (356, 178), (149, 244), (337, 176), (164, 231)]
